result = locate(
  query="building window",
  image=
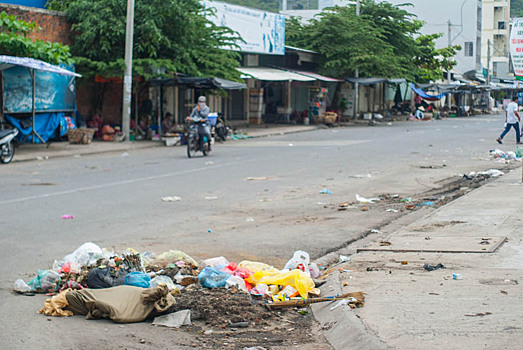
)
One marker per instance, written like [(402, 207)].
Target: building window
[(469, 48), (501, 25)]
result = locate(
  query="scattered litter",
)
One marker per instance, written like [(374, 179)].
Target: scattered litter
[(410, 206), (339, 303), (258, 178), (249, 220), (392, 210), (429, 204), (385, 243), (238, 325), (480, 314), (366, 200), (209, 163), (457, 276), (409, 199), (174, 320), (209, 230), (211, 198), (171, 199), (433, 267), (290, 145), (65, 217), (360, 176), (125, 154), (21, 287), (325, 191), (375, 231), (344, 258), (404, 262), (365, 208)]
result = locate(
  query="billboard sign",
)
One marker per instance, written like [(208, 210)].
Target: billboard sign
[(516, 47), (262, 31)]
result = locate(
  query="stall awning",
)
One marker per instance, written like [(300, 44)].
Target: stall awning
[(200, 83), (7, 62), (424, 95), (366, 81), (273, 74), (314, 75)]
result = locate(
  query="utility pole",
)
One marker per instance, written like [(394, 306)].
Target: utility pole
[(356, 74), (449, 104), (128, 76), (488, 74)]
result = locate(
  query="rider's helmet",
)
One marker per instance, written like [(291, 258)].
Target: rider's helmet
[(202, 99)]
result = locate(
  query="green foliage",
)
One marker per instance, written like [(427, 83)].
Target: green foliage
[(14, 41), (431, 62), (171, 34), (265, 5), (516, 8), (381, 42)]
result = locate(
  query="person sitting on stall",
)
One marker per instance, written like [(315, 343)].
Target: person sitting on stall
[(143, 126), (419, 113), (168, 124)]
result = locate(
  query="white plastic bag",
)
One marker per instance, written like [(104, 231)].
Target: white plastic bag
[(163, 279), (217, 263), (21, 286), (87, 254), (299, 258), (314, 270), (236, 281)]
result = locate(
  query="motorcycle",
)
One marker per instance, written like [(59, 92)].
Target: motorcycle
[(195, 142), (220, 129), (7, 150)]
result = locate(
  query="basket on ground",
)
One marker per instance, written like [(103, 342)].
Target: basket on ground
[(81, 135)]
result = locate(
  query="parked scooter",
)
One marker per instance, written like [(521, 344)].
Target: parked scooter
[(7, 149), (221, 129), (195, 142)]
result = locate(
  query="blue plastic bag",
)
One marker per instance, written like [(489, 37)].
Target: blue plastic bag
[(212, 278), (138, 279)]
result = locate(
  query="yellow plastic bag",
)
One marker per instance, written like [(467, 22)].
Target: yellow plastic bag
[(254, 266), (294, 278)]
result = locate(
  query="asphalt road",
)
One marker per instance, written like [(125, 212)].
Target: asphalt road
[(116, 201)]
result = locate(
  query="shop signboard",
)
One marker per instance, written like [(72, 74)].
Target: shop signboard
[(263, 32), (516, 47)]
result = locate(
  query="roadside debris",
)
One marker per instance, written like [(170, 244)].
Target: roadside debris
[(506, 157), (171, 199), (366, 200), (65, 217), (325, 191), (258, 178), (433, 267), (177, 290)]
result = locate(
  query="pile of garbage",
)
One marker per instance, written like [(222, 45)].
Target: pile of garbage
[(92, 281), (506, 157)]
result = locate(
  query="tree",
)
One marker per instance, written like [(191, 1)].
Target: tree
[(173, 35), (381, 42), (430, 62), (15, 41), (516, 8)]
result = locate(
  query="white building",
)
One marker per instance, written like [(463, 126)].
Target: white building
[(496, 31)]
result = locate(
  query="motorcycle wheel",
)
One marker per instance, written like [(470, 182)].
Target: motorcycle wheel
[(192, 146), (7, 153)]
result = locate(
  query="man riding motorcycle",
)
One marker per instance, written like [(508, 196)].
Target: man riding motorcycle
[(200, 112)]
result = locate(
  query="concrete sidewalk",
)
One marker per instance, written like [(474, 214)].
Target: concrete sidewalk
[(408, 307), (28, 151)]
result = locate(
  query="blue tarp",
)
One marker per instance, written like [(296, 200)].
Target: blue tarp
[(47, 125), (424, 95)]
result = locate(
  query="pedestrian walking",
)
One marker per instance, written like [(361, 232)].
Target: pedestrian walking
[(512, 120)]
